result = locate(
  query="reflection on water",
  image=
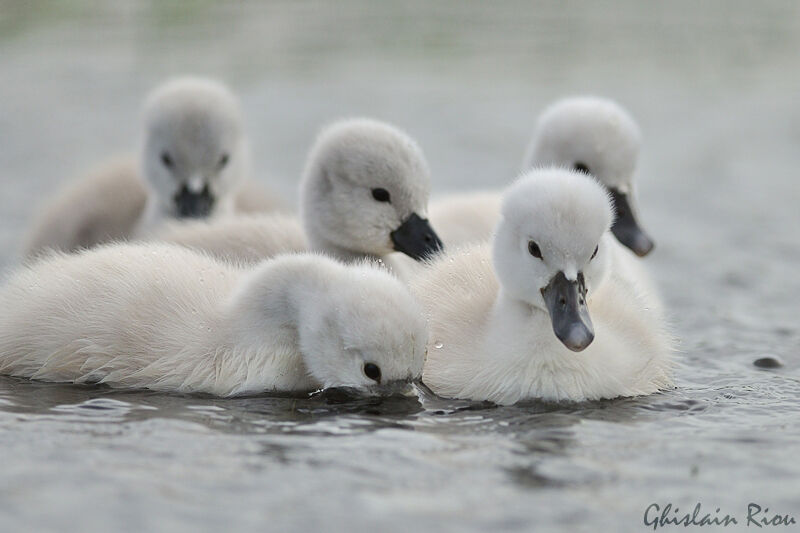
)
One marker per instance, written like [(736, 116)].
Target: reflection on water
[(714, 86)]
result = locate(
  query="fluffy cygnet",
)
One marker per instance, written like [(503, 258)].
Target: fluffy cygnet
[(193, 160), (596, 136), (537, 315), (592, 135), (364, 193), (167, 318)]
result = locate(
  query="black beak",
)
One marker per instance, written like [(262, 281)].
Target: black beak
[(193, 204), (626, 229), (415, 238), (566, 302)]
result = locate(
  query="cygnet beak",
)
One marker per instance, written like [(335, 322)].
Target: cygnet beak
[(415, 238), (566, 302), (193, 203), (626, 229)]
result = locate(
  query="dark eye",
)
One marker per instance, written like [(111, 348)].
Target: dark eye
[(373, 372), (223, 160), (595, 252), (534, 250), (581, 167), (382, 195), (167, 160)]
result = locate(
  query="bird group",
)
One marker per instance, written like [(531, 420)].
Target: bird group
[(178, 272)]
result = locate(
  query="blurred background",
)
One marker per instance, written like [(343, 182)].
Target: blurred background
[(715, 86)]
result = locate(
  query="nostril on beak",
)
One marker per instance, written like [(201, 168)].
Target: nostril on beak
[(562, 302)]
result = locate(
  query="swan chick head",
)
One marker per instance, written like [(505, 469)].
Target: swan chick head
[(368, 330), (365, 192), (548, 249), (596, 136), (194, 151)]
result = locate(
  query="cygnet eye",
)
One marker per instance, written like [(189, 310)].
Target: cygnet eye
[(167, 160), (581, 167), (382, 195), (223, 160), (595, 252), (373, 372), (534, 250)]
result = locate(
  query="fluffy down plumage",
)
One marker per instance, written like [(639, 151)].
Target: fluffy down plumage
[(193, 137), (167, 318), (491, 332)]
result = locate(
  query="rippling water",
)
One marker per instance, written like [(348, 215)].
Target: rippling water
[(715, 88)]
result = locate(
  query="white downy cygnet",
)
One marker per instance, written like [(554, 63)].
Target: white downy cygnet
[(167, 318), (192, 163), (536, 315), (593, 135), (364, 193)]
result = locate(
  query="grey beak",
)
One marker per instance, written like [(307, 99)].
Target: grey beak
[(626, 228), (566, 302), (193, 204), (415, 238)]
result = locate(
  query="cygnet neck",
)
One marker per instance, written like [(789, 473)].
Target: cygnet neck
[(509, 303), (338, 252), (511, 322), (156, 213), (266, 311)]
